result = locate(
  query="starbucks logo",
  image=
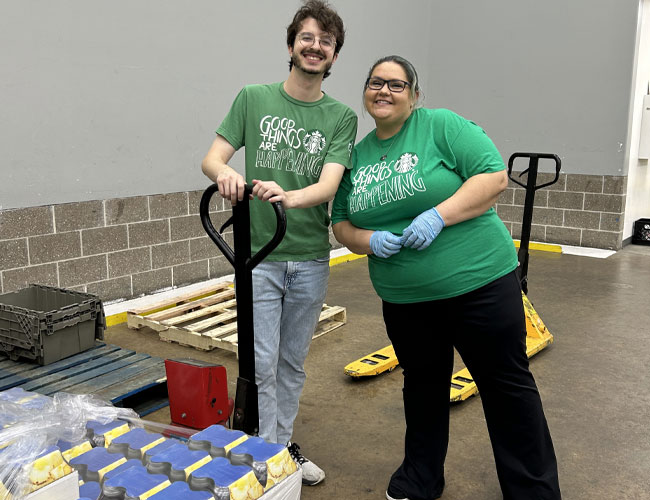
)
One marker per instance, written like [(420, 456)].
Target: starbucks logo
[(406, 163), (314, 141)]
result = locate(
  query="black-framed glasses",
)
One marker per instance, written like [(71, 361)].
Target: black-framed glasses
[(326, 42), (376, 83)]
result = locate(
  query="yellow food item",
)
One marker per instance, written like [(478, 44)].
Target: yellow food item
[(246, 488), (278, 467), (47, 469)]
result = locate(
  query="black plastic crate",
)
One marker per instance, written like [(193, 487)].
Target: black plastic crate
[(46, 324), (641, 232)]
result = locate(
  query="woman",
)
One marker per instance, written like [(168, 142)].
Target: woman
[(418, 201)]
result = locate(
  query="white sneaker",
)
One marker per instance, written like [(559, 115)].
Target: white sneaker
[(389, 497), (311, 473)]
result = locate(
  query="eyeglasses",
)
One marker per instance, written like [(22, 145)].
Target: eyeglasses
[(326, 42), (376, 83)]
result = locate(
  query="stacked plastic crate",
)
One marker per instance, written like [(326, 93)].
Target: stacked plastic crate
[(46, 324)]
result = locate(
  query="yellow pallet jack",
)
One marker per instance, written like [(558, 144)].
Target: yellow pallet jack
[(537, 335)]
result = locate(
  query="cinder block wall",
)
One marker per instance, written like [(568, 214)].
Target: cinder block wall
[(126, 247), (116, 248), (578, 210)]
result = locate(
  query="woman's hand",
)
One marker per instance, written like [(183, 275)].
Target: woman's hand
[(420, 233), (384, 244)]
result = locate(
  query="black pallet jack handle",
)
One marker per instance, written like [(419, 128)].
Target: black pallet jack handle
[(246, 413), (530, 186)]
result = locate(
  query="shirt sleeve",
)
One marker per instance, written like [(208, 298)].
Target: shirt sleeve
[(233, 126), (340, 203), (340, 150), (475, 152)]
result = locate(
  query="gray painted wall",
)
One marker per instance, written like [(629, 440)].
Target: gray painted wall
[(552, 76), (117, 99)]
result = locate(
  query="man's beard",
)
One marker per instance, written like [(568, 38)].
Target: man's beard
[(295, 58)]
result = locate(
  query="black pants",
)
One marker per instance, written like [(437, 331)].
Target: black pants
[(487, 328)]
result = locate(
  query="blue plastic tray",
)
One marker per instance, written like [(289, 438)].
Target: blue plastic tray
[(178, 462), (216, 440)]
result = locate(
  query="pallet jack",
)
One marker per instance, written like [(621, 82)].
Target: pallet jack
[(246, 413), (537, 335)]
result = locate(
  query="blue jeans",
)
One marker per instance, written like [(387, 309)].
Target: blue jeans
[(287, 301)]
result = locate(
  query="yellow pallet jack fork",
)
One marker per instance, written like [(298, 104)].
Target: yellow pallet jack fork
[(383, 360), (537, 338), (462, 385), (537, 335)]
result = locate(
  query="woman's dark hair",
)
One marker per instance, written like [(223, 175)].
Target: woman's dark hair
[(409, 69), (326, 17)]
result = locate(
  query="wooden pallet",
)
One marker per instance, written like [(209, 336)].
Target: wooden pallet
[(206, 319), (123, 377)]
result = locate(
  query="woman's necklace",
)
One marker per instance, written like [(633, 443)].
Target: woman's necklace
[(383, 157)]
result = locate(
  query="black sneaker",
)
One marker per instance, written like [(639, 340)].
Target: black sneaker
[(311, 473)]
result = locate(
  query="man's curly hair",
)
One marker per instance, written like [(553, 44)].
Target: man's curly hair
[(328, 21)]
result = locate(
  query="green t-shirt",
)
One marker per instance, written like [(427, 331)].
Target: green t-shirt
[(430, 158), (288, 141)]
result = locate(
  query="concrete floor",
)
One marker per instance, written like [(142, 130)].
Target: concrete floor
[(594, 382)]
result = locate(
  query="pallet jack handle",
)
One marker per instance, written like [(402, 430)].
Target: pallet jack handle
[(246, 413), (530, 187)]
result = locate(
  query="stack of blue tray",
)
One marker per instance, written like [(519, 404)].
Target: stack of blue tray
[(118, 462)]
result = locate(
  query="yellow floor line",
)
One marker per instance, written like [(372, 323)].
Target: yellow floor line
[(345, 258), (116, 319), (546, 247)]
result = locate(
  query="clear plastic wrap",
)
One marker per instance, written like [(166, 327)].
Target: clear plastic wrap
[(29, 458)]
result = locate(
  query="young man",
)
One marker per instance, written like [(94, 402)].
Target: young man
[(298, 143)]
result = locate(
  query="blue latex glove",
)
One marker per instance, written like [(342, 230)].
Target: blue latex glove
[(384, 244), (423, 230)]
